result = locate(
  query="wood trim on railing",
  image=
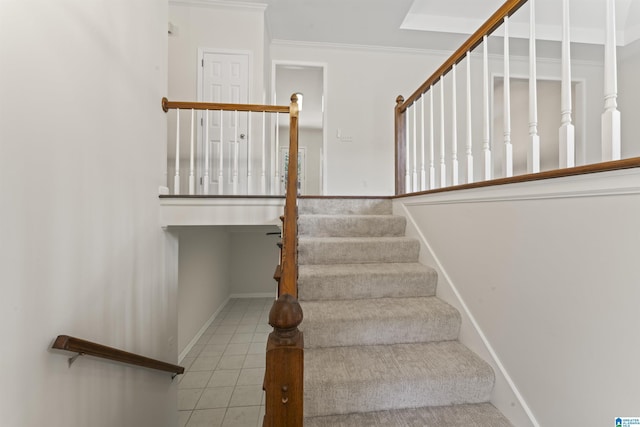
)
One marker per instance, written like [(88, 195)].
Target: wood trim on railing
[(83, 347), (507, 9), (167, 105), (556, 173)]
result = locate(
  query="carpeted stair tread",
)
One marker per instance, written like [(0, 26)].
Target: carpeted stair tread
[(351, 225), (342, 380), (378, 321), (351, 250), (344, 206), (351, 281), (471, 415)]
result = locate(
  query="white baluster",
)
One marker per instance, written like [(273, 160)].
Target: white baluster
[(454, 128), (611, 116), (432, 160), (234, 177), (414, 109), (443, 166), (407, 167), (533, 154), (263, 172), (221, 156), (423, 174), (508, 148), (176, 178), (275, 187), (192, 176), (486, 123), (249, 155), (469, 124), (206, 153), (567, 132)]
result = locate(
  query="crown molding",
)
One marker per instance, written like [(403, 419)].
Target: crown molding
[(359, 47), (220, 3)]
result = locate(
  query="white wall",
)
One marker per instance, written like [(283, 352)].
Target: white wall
[(254, 256), (549, 271), (204, 278), (628, 98), (81, 158)]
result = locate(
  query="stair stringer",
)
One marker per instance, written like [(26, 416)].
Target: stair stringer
[(505, 396)]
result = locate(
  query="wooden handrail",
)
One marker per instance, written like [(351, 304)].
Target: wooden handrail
[(168, 105), (507, 9), (83, 347)]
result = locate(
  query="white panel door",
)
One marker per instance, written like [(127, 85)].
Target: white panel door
[(225, 79)]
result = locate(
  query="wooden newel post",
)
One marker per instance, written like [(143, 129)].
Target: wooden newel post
[(283, 378), (401, 145)]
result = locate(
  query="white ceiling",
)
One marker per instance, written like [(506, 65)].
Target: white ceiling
[(434, 24)]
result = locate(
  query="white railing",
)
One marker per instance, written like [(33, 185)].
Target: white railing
[(229, 151), (427, 134)]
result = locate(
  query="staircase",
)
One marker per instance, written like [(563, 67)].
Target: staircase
[(380, 348)]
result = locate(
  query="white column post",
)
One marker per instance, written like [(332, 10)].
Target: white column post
[(486, 123), (533, 154), (454, 128), (249, 155), (192, 177), (567, 132), (234, 176), (407, 166), (221, 156), (443, 165), (432, 160), (415, 148), (176, 178), (275, 186), (507, 161), (206, 177), (423, 174), (469, 123), (611, 139), (263, 172)]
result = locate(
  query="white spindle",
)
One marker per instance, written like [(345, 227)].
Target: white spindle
[(611, 116), (192, 176), (407, 165), (533, 154), (249, 155), (443, 166), (486, 124), (567, 133), (432, 160), (206, 153), (263, 172), (454, 128), (508, 148), (275, 186), (176, 178), (414, 109), (234, 176), (423, 174), (221, 154), (469, 124)]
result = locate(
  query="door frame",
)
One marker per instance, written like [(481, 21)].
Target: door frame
[(323, 157), (199, 98)]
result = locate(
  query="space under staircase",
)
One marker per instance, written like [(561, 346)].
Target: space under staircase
[(380, 348)]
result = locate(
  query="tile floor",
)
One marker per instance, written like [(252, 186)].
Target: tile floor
[(222, 383)]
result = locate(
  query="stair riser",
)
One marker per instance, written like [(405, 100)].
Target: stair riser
[(345, 206), (350, 226), (366, 286), (318, 251)]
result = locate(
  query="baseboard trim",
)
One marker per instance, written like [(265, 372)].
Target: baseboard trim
[(446, 278), (206, 325), (254, 295)]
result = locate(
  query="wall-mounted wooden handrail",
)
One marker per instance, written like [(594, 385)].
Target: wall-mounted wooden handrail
[(83, 347), (507, 9), (168, 105)]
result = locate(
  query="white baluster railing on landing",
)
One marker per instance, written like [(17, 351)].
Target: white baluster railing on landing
[(434, 136), (232, 167)]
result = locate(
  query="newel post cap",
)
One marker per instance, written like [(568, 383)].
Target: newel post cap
[(285, 313)]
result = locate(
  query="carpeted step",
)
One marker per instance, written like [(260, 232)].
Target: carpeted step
[(472, 415), (351, 225), (352, 250), (344, 206), (352, 281), (378, 321), (342, 380)]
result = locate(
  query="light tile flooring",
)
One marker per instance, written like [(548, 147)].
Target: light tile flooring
[(222, 383)]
